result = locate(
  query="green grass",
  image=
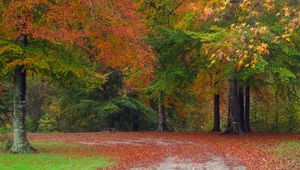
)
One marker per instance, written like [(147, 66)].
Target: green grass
[(50, 159), (289, 151)]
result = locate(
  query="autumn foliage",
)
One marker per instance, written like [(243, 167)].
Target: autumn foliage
[(103, 28), (132, 65)]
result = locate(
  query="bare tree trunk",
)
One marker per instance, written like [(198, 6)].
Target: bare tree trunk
[(242, 109), (233, 110), (162, 116), (20, 142), (247, 109), (216, 113)]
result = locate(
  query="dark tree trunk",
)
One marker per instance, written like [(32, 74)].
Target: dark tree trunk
[(216, 113), (20, 142), (247, 109), (233, 110), (242, 109), (162, 116)]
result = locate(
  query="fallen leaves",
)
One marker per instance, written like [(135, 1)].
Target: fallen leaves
[(141, 149)]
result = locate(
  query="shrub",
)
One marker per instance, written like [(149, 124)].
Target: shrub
[(7, 128), (5, 143), (47, 124)]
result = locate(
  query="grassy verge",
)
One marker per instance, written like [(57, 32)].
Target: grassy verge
[(289, 151), (53, 156)]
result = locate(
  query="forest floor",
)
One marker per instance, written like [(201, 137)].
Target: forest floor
[(151, 150)]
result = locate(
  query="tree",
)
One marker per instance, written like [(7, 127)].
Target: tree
[(249, 39), (246, 39), (256, 44), (51, 32), (159, 14), (177, 63)]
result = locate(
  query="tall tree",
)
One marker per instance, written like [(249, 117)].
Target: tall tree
[(159, 13), (177, 63), (20, 143), (43, 27)]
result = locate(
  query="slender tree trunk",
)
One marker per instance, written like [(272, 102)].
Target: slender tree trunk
[(242, 109), (233, 110), (162, 117), (20, 142), (277, 108), (1, 90), (229, 119), (216, 113), (247, 109)]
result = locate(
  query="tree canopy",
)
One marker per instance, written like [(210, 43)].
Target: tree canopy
[(230, 65)]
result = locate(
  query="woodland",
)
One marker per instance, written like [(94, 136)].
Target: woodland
[(221, 74)]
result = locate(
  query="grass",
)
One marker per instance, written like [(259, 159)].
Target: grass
[(52, 157), (289, 151)]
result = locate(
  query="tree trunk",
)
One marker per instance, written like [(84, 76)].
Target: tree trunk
[(241, 109), (247, 109), (233, 126), (162, 117), (233, 110), (276, 108), (1, 90), (216, 113), (20, 142)]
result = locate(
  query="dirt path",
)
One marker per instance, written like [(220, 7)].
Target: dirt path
[(175, 161), (217, 163), (164, 151)]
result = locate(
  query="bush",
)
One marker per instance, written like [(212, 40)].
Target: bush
[(7, 128), (129, 114), (121, 113), (47, 124), (5, 143)]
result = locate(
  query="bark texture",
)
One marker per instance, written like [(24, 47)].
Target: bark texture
[(20, 142), (233, 109)]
